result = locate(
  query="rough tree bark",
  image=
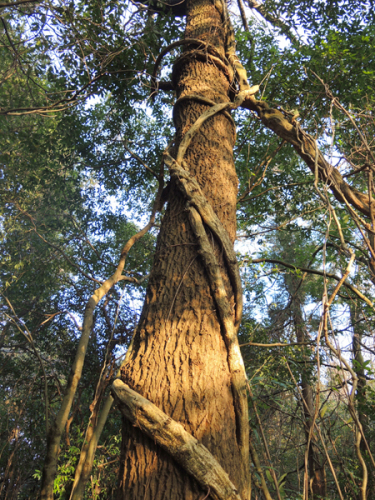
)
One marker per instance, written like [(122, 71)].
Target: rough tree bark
[(179, 359)]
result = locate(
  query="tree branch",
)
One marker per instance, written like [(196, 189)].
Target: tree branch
[(172, 437), (318, 273), (275, 21), (306, 147), (15, 4), (54, 438)]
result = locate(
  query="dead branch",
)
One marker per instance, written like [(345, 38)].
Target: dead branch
[(176, 441)]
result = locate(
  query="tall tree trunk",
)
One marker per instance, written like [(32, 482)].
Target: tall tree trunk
[(316, 464), (359, 369), (179, 359)]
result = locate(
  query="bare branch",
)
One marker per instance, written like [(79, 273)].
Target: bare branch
[(275, 21), (318, 273)]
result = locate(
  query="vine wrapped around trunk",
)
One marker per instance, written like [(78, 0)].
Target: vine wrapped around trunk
[(185, 357)]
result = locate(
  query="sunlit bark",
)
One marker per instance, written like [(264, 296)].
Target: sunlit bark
[(179, 359)]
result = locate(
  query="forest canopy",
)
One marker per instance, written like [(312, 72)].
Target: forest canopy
[(116, 224)]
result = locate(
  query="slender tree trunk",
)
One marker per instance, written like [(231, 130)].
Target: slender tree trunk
[(361, 394), (316, 464), (358, 367), (179, 360), (6, 483)]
